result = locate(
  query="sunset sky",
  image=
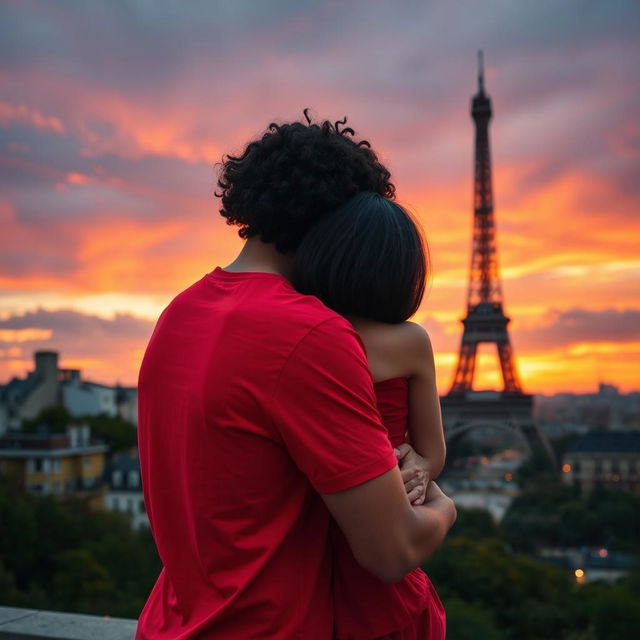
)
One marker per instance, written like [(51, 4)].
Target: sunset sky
[(114, 114)]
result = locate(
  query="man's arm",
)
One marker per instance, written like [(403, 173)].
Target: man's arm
[(324, 411), (388, 536)]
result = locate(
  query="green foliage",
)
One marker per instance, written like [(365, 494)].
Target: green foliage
[(52, 419), (474, 523), (618, 513), (81, 582), (616, 613), (466, 621), (65, 556), (117, 432), (535, 469), (527, 598), (553, 514)]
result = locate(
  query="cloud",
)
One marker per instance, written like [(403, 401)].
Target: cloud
[(559, 329), (107, 350)]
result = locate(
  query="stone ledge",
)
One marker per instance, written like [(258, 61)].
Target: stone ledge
[(33, 624)]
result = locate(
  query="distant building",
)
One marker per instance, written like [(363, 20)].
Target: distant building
[(608, 409), (64, 465), (604, 459), (127, 403), (50, 386), (25, 398), (83, 398), (124, 493)]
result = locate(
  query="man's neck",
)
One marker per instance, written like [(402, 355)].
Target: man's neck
[(262, 256)]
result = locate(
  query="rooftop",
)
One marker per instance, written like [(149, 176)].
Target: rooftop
[(607, 442)]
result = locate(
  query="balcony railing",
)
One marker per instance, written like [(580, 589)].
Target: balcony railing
[(33, 624)]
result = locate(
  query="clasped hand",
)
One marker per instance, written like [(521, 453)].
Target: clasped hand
[(416, 473)]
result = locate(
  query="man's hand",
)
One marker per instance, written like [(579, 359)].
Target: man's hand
[(416, 473)]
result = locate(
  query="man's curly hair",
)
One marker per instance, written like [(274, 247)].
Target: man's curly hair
[(295, 174)]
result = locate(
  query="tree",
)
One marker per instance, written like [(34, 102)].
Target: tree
[(526, 598), (466, 621), (81, 582), (474, 523)]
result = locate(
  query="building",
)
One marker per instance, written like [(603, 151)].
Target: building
[(604, 459), (64, 465), (24, 398), (567, 413), (50, 386), (124, 488)]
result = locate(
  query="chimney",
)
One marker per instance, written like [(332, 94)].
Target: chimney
[(47, 364)]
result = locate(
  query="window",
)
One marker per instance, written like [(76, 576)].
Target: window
[(116, 478), (46, 465), (134, 479), (86, 461), (57, 465), (31, 465)]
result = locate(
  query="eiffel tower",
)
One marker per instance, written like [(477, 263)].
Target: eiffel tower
[(486, 322)]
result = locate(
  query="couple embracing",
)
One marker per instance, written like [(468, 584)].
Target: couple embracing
[(289, 423)]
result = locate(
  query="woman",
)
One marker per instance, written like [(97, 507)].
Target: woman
[(367, 261)]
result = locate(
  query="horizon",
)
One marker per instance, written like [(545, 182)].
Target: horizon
[(113, 117)]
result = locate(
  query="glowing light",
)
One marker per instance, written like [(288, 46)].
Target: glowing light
[(566, 468)]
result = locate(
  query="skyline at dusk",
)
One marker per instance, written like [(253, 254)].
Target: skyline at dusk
[(113, 116)]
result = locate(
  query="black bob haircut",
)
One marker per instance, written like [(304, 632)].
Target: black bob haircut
[(295, 173), (367, 258)]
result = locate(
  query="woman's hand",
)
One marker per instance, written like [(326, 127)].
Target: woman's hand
[(416, 473)]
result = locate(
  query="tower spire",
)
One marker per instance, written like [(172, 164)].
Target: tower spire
[(480, 72)]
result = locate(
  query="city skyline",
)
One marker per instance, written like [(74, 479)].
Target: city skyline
[(113, 116)]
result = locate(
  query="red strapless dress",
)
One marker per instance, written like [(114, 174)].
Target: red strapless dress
[(365, 607)]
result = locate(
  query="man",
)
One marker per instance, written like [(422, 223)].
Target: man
[(257, 418)]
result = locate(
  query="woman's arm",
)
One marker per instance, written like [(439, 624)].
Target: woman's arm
[(425, 430)]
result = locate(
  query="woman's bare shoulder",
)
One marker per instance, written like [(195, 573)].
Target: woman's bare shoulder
[(406, 343)]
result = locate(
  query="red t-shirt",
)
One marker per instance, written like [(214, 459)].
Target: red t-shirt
[(253, 399)]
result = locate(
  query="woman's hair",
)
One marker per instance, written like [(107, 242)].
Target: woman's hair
[(294, 174), (367, 258)]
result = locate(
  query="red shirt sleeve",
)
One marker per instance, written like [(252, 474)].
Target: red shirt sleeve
[(324, 409)]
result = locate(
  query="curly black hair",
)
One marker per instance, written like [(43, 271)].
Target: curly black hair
[(293, 175)]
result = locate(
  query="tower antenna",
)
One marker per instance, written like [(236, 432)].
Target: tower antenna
[(480, 72)]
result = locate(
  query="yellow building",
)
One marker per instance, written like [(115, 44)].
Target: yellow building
[(64, 465)]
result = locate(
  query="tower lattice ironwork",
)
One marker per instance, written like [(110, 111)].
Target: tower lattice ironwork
[(485, 321)]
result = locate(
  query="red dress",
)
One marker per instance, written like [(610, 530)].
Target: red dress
[(365, 607)]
